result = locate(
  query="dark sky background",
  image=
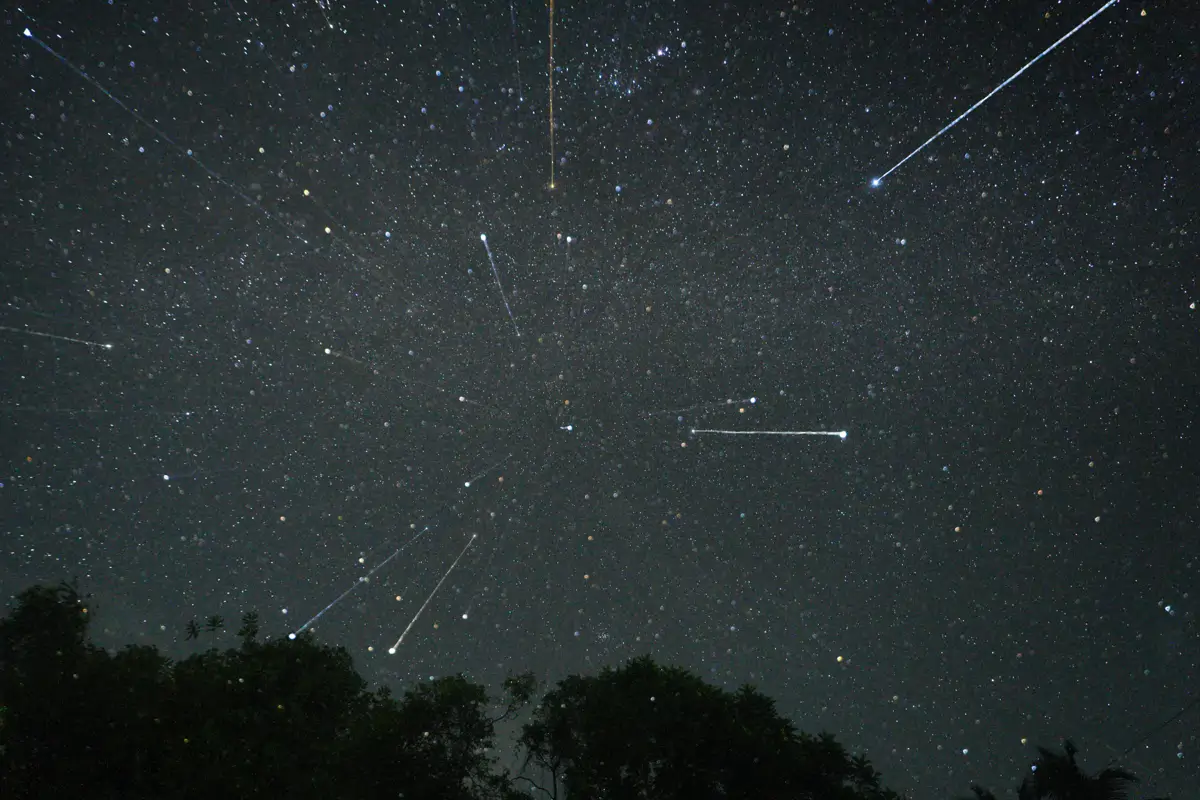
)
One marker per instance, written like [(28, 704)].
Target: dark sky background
[(272, 213)]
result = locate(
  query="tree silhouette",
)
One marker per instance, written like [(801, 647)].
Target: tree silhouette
[(282, 719), (652, 732), (1058, 777), (519, 690), (192, 631), (291, 718), (249, 630), (50, 631)]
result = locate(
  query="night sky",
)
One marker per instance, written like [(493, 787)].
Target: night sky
[(251, 344)]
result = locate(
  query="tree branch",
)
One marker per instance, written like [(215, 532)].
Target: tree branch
[(534, 785)]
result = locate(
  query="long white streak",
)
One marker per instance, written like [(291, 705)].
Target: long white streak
[(363, 579), (1014, 76), (101, 345), (839, 434), (162, 135), (400, 641), (492, 261), (484, 575)]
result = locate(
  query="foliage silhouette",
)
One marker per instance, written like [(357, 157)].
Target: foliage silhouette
[(1056, 776), (291, 718), (248, 633), (649, 731), (273, 719)]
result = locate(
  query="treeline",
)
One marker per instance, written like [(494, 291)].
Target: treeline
[(292, 719)]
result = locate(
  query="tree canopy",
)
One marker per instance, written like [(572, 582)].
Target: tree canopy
[(289, 718), (649, 731), (292, 718)]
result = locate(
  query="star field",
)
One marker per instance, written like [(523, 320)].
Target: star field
[(252, 343)]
